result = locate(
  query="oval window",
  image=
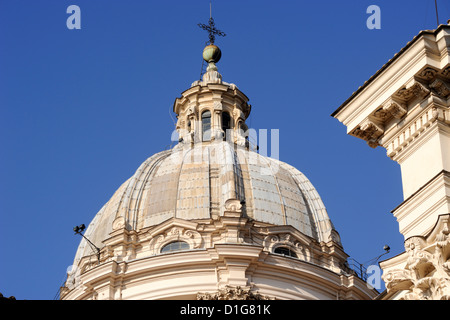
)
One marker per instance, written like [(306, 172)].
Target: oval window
[(285, 251), (175, 246)]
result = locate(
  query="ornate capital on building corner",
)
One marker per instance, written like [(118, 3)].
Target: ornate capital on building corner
[(426, 275)]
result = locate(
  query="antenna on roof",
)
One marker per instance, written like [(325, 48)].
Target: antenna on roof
[(386, 249), (437, 16), (78, 230)]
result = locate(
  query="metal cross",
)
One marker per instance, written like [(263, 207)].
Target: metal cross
[(211, 28)]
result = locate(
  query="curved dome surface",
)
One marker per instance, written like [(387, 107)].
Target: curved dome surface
[(194, 184)]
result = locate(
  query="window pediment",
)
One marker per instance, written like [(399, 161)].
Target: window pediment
[(283, 242), (174, 234)]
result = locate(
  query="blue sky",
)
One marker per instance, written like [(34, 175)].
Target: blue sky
[(82, 109)]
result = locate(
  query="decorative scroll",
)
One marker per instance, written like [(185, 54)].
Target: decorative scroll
[(271, 242), (192, 237)]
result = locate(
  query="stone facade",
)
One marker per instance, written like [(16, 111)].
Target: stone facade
[(405, 108)]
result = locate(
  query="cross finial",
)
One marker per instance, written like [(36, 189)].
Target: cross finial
[(211, 28)]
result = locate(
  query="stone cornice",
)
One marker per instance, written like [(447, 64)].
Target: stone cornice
[(418, 41), (405, 114), (218, 99), (231, 243), (443, 173), (221, 90), (422, 68), (420, 209)]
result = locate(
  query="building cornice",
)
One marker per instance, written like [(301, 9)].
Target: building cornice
[(411, 43)]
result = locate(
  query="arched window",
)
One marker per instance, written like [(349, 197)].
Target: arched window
[(206, 126), (226, 123), (242, 127), (175, 246), (285, 251)]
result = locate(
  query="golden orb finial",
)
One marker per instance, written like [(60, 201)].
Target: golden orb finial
[(212, 53)]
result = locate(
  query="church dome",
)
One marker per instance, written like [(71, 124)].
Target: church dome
[(196, 183), (212, 218)]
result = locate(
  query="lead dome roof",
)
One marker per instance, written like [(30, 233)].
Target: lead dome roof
[(194, 183), (195, 179)]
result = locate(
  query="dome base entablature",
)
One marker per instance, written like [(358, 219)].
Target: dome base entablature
[(196, 183), (220, 237)]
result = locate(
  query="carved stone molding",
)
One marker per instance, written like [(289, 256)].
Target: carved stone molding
[(212, 75), (271, 242), (369, 131), (232, 227), (394, 108), (441, 88), (217, 106), (427, 74), (389, 109), (426, 275), (233, 206), (118, 223), (446, 72), (190, 112), (175, 233), (335, 237), (233, 293), (413, 91)]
